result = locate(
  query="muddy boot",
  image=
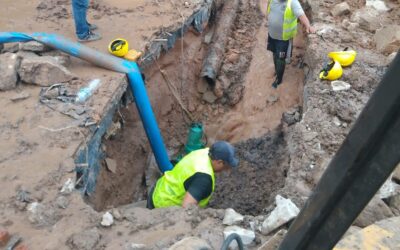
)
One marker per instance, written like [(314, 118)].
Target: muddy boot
[(280, 70)]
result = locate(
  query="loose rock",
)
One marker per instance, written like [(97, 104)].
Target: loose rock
[(68, 187), (232, 217), (388, 39), (41, 215), (209, 97), (191, 243), (20, 96), (8, 71), (107, 219), (285, 211), (375, 211), (341, 9), (62, 202), (247, 236), (33, 46), (43, 71), (340, 85), (85, 240)]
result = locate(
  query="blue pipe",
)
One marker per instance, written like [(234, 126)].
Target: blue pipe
[(112, 63)]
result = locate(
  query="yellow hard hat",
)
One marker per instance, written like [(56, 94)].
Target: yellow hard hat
[(332, 71), (118, 47), (345, 58)]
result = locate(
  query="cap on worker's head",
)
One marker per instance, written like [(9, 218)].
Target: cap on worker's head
[(222, 150)]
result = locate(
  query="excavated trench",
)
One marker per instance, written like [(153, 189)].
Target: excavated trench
[(248, 114)]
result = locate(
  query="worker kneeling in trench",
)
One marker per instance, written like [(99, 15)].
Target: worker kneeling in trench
[(192, 180)]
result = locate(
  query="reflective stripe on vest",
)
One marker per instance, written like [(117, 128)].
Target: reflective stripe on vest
[(289, 21), (170, 190)]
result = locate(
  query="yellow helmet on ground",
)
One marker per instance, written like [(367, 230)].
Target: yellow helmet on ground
[(345, 58), (332, 71), (118, 47)]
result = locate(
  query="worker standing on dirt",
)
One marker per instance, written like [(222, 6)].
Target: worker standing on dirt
[(282, 28), (84, 30), (192, 180)]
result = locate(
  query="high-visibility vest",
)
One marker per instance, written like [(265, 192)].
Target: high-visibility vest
[(289, 21), (170, 190)]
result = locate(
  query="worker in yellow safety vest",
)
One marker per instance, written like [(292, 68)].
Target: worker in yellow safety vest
[(192, 180), (282, 28)]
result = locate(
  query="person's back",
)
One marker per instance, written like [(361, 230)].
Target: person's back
[(170, 188), (192, 180)]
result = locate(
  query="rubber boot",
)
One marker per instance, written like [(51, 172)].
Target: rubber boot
[(280, 70)]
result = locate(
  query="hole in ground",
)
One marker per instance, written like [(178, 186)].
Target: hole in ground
[(248, 115)]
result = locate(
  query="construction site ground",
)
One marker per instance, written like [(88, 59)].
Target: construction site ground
[(285, 137)]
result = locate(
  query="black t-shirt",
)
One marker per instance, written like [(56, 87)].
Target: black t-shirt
[(199, 186)]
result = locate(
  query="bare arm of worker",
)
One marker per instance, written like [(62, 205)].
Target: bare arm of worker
[(188, 200), (304, 20)]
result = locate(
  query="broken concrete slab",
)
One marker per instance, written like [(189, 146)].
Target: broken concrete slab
[(388, 39), (232, 217), (33, 46), (41, 215), (340, 85), (284, 212), (341, 9), (247, 236), (375, 211), (191, 243), (274, 242), (43, 71), (9, 64)]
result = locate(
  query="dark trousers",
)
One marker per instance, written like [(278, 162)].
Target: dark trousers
[(150, 204), (279, 48)]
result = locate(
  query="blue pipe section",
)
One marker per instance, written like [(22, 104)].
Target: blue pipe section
[(112, 63)]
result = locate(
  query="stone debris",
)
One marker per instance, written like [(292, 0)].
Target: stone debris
[(375, 211), (43, 71), (111, 165), (107, 220), (20, 96), (274, 242), (68, 187), (134, 246), (209, 97), (33, 46), (388, 39), (284, 212), (191, 243), (232, 217), (41, 215), (9, 64), (340, 85), (367, 19), (85, 240), (388, 189), (247, 236), (341, 9), (378, 5), (62, 202)]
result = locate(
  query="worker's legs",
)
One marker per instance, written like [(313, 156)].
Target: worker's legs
[(79, 8), (279, 49)]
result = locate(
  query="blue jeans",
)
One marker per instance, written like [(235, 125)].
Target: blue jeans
[(79, 8)]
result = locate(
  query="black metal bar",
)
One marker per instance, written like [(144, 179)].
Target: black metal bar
[(364, 161)]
